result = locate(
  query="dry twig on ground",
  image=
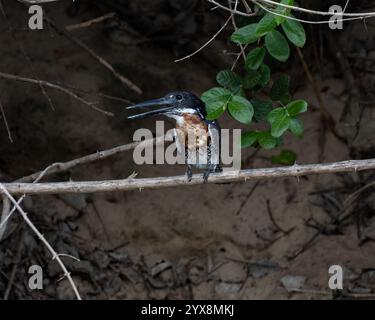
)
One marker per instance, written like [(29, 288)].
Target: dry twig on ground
[(4, 214), (90, 22), (2, 112), (55, 256)]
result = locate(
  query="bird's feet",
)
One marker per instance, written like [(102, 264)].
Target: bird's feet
[(206, 174), (189, 173)]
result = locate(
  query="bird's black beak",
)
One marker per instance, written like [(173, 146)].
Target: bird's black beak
[(166, 103)]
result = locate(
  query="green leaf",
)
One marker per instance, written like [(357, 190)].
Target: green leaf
[(240, 92), (286, 99), (265, 75), (275, 114), (296, 107), (215, 93), (248, 138), (277, 46), (261, 109), (251, 79), (296, 127), (215, 108), (245, 35), (279, 120), (230, 80), (265, 25), (280, 88), (266, 141), (286, 157), (255, 58), (216, 101), (241, 109), (295, 32), (283, 11)]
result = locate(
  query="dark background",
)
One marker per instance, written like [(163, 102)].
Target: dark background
[(197, 242)]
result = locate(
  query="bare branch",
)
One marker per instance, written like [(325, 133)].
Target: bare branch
[(352, 16), (26, 56), (37, 1), (163, 182), (316, 12), (247, 7), (127, 82), (6, 217), (64, 166), (91, 52), (41, 237), (208, 42), (310, 21), (16, 260), (235, 28), (246, 14), (2, 111), (4, 214), (55, 86), (90, 22)]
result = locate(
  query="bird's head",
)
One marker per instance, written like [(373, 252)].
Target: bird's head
[(173, 105)]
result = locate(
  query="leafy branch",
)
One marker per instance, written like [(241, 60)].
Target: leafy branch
[(237, 93)]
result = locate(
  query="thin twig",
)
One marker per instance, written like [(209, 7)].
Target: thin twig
[(309, 21), (345, 212), (4, 214), (90, 22), (16, 261), (55, 256), (36, 179), (352, 197), (351, 114), (91, 52), (238, 57), (163, 182), (101, 60), (59, 167), (208, 42), (69, 256), (247, 7), (55, 86), (64, 166), (316, 12), (26, 56), (352, 18), (327, 117), (5, 122), (37, 1), (235, 26), (248, 196), (305, 246), (245, 14), (270, 214)]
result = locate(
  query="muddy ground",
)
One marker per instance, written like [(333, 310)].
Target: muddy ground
[(237, 241)]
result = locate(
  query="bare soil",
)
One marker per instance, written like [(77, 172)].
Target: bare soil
[(233, 241)]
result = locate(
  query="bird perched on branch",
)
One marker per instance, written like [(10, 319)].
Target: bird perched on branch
[(197, 139)]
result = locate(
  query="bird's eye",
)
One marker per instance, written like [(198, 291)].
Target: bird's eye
[(179, 97)]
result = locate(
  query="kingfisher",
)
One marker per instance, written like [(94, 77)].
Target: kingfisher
[(190, 117)]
